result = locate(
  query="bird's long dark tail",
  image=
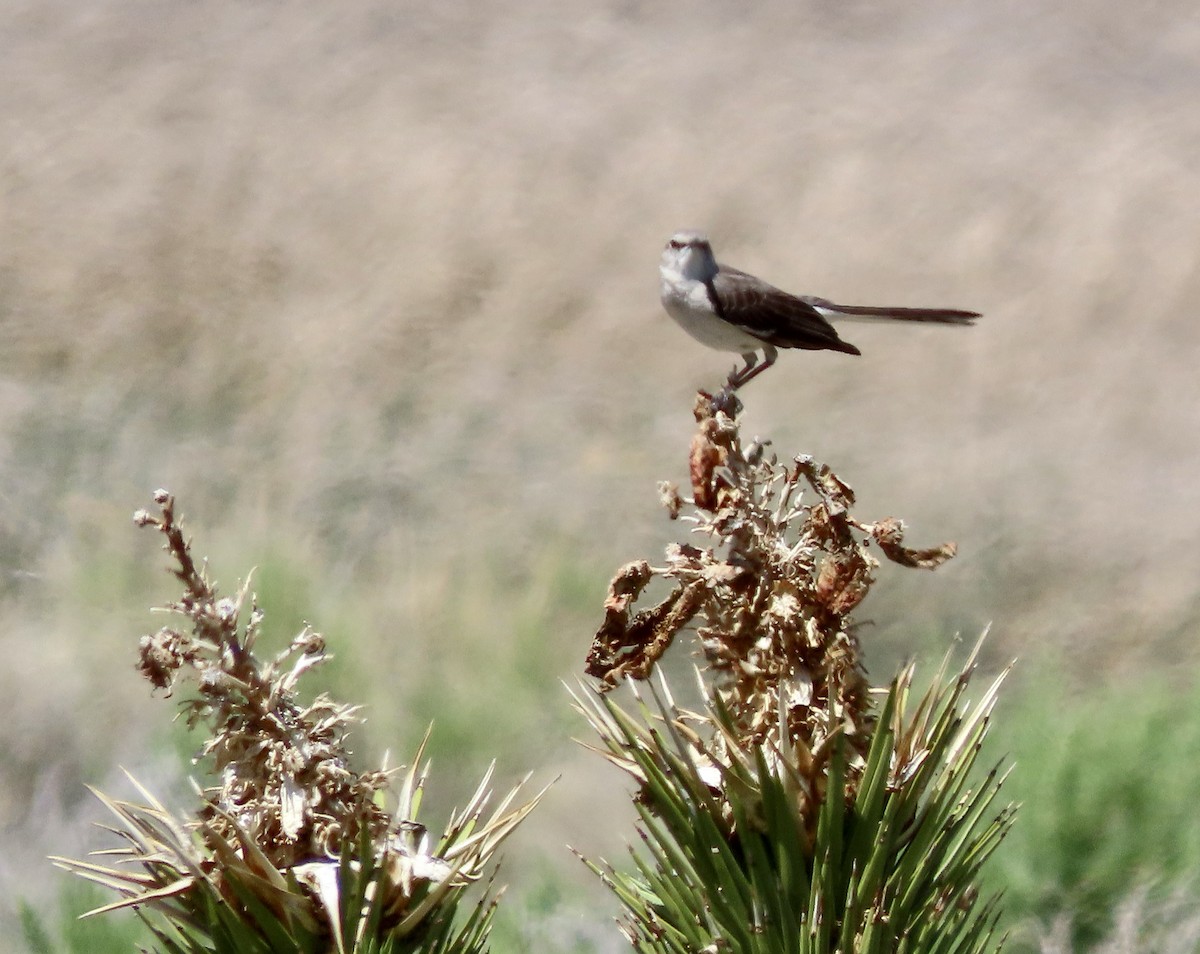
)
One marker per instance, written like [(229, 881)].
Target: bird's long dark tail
[(945, 316)]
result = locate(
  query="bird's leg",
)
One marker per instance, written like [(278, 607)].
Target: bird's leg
[(752, 369), (740, 375)]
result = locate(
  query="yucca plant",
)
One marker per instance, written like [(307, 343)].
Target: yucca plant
[(292, 850), (800, 810)]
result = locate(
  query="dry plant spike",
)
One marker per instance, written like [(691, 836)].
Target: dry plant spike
[(770, 592), (290, 823), (799, 809)]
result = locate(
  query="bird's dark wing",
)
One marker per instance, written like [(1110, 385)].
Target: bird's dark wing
[(773, 315)]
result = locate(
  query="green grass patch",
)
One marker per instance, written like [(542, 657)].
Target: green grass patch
[(62, 931), (1107, 777)]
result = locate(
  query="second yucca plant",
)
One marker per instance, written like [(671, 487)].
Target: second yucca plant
[(291, 849), (801, 810)]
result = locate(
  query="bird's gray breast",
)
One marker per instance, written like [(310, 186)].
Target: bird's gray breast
[(688, 302)]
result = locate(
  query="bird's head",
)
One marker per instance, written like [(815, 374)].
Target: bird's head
[(689, 255)]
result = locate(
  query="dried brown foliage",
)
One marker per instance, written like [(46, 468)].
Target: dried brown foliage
[(770, 595), (283, 767), (292, 848)]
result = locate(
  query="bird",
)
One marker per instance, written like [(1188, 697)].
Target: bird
[(731, 310)]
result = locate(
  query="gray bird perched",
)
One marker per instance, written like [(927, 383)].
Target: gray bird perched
[(731, 310)]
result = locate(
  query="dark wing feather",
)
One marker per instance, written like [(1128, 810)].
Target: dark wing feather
[(773, 315)]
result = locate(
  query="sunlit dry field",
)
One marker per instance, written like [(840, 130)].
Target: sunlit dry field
[(372, 288)]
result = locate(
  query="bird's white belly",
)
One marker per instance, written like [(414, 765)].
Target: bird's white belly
[(693, 313)]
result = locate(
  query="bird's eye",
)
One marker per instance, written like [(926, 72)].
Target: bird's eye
[(675, 243)]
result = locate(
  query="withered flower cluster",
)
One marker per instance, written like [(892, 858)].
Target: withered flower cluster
[(769, 591), (800, 808), (283, 768), (292, 848)]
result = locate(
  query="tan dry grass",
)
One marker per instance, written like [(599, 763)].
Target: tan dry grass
[(386, 259), (382, 277)]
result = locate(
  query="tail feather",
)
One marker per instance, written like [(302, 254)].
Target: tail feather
[(946, 316)]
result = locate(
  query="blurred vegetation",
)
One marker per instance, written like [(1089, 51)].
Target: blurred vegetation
[(338, 277), (1105, 777), (288, 845), (349, 271)]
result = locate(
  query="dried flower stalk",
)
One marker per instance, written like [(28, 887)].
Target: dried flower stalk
[(801, 809), (283, 768), (770, 596), (292, 839)]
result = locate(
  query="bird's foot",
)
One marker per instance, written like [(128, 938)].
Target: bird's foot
[(737, 377), (726, 401)]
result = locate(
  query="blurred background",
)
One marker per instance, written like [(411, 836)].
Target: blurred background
[(372, 288)]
